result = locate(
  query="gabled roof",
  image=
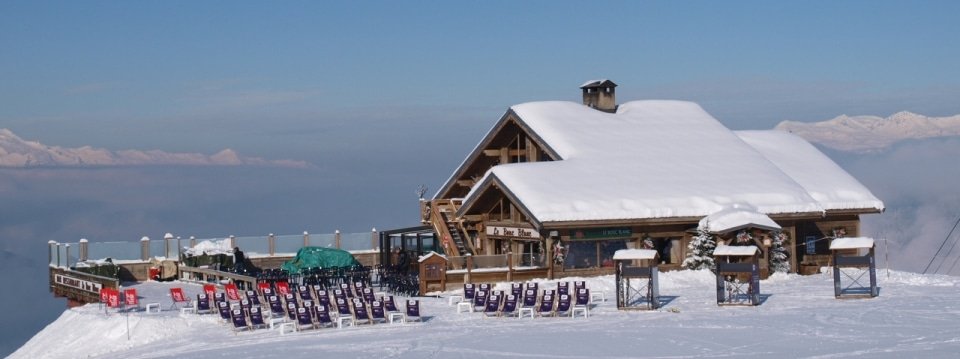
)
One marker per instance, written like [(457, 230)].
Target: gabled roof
[(598, 83), (653, 159)]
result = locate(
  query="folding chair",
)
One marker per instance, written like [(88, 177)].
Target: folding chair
[(210, 290), (343, 308), (283, 288), (292, 311), (367, 295), (358, 287), (533, 285), (484, 287), (290, 298), (245, 305), (578, 285), (304, 292), (219, 297), (563, 306), (252, 296), (266, 292), (516, 289), (377, 313), (304, 319), (389, 304), (563, 288), (582, 303), (529, 304), (479, 301), (263, 287), (176, 296), (509, 306), (360, 314), (276, 307), (239, 320), (493, 306), (224, 309), (131, 299), (203, 303), (256, 318), (323, 297), (345, 288), (232, 293), (413, 311), (323, 316), (546, 305)]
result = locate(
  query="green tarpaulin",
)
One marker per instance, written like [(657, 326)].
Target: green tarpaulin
[(319, 257)]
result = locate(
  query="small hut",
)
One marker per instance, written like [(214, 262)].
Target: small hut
[(738, 275), (636, 279), (854, 257)]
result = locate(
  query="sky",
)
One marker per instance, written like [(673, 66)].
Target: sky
[(381, 97)]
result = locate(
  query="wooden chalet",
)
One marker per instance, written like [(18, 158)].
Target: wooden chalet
[(558, 187)]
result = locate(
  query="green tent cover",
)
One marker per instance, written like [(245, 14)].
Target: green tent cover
[(313, 257)]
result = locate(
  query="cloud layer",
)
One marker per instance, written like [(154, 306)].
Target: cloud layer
[(16, 152)]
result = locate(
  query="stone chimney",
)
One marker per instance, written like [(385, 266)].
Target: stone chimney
[(600, 94)]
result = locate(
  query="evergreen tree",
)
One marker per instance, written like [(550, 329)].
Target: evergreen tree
[(700, 250), (779, 258)]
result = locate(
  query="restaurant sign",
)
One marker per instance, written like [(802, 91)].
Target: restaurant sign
[(68, 281), (513, 232), (601, 233)]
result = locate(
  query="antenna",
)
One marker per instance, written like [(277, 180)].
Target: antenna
[(421, 190)]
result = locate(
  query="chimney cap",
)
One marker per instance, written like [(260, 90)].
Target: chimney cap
[(601, 83)]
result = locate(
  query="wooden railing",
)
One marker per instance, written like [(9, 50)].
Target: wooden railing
[(207, 275)]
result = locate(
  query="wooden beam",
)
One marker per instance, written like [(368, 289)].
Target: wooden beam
[(492, 153)]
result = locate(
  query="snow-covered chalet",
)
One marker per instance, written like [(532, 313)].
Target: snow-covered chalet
[(579, 181)]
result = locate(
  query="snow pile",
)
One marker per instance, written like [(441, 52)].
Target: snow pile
[(914, 316), (210, 247)]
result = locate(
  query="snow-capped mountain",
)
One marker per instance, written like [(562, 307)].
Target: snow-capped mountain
[(873, 133), (17, 152)]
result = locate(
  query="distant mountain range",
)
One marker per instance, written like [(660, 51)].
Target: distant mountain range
[(872, 133), (17, 152)]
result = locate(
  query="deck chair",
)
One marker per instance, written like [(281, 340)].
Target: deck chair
[(367, 295), (292, 311), (263, 286), (340, 294), (256, 318), (266, 292), (377, 313), (413, 311), (315, 289), (563, 288), (283, 288), (509, 306), (343, 308), (304, 319), (469, 291), (581, 303), (484, 287), (224, 309), (529, 298), (516, 289), (479, 300), (276, 307), (304, 292), (360, 314), (493, 306), (345, 287), (389, 304), (358, 287), (322, 312), (131, 301), (564, 306), (232, 293), (176, 296), (245, 305), (577, 285), (203, 303), (323, 297), (533, 285), (210, 289), (307, 303), (546, 305), (252, 296), (219, 297), (239, 320)]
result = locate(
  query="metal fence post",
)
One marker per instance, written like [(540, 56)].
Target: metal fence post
[(306, 239), (144, 248), (272, 243), (336, 238), (84, 248)]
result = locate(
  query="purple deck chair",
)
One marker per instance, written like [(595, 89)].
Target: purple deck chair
[(252, 297), (239, 320), (377, 314), (219, 297), (276, 308), (484, 287), (546, 305), (245, 305), (480, 300), (367, 295), (577, 285), (322, 313), (563, 288), (346, 290), (530, 298), (304, 319), (532, 285), (509, 306), (389, 304), (290, 298), (203, 304), (469, 291), (256, 318), (493, 306), (323, 297), (292, 311), (304, 292), (358, 287), (413, 310), (360, 314), (583, 297), (340, 294), (343, 308), (563, 305), (516, 289), (224, 309)]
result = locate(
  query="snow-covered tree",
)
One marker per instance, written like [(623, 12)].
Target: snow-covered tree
[(779, 258), (700, 250)]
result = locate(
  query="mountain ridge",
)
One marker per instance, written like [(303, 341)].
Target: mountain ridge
[(865, 133)]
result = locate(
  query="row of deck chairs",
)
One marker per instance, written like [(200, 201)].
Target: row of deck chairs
[(328, 278), (546, 302)]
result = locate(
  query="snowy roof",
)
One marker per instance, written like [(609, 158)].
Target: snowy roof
[(735, 251), (596, 83), (650, 159), (851, 243), (831, 186), (428, 255), (625, 254), (735, 218)]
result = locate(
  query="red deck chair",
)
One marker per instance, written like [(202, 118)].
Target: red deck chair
[(177, 296), (283, 288), (130, 299), (232, 292), (210, 289)]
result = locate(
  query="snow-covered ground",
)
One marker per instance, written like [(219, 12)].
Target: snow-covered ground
[(914, 316)]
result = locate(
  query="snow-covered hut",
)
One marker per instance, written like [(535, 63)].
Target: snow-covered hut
[(636, 277), (854, 258)]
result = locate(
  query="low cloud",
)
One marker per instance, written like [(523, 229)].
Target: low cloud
[(16, 152)]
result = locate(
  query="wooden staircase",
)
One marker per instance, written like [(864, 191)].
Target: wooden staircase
[(442, 216)]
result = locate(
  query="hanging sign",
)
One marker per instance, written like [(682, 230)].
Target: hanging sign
[(512, 232), (601, 233), (84, 285)]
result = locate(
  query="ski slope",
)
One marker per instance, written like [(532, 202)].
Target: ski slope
[(914, 316)]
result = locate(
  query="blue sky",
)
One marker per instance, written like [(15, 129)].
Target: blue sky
[(385, 96)]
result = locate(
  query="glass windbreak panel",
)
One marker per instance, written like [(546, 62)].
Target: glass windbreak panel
[(112, 250), (356, 241), (326, 240), (289, 244), (492, 261), (253, 245), (429, 245), (158, 248), (456, 263)]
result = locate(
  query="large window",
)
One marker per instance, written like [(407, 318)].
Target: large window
[(592, 254)]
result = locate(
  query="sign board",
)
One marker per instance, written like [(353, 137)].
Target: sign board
[(811, 243), (601, 233), (113, 298), (513, 232), (84, 285)]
